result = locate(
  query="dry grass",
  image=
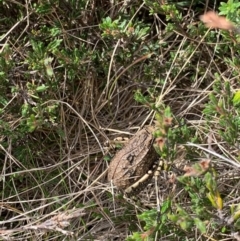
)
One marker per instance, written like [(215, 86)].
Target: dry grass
[(56, 189)]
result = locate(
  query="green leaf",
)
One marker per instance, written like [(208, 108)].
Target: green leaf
[(47, 63), (236, 98), (107, 158), (25, 109), (186, 224), (200, 225), (210, 182), (41, 88), (54, 44), (166, 206)]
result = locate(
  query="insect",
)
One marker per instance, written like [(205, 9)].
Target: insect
[(133, 166)]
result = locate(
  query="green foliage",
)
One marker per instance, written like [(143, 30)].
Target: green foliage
[(231, 9), (123, 29), (73, 72), (153, 222), (225, 110), (236, 98)]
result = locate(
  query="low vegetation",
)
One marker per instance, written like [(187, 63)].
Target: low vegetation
[(74, 75)]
